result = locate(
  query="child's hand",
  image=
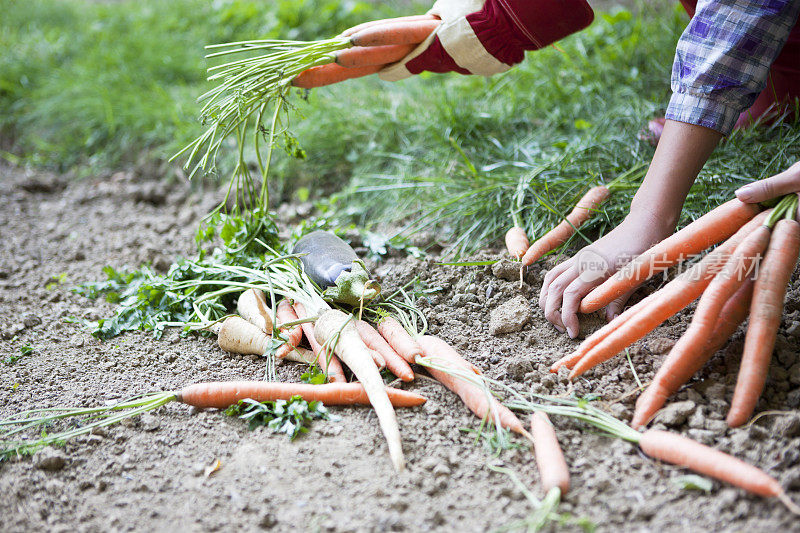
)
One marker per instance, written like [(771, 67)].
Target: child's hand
[(566, 284), (786, 182)]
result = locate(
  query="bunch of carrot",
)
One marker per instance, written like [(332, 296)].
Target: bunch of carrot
[(723, 280)]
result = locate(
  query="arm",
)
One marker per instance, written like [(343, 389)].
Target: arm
[(721, 64)]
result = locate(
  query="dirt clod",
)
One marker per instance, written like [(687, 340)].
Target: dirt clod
[(510, 316), (676, 413), (50, 459)]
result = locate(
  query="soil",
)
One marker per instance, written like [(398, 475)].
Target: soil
[(148, 474)]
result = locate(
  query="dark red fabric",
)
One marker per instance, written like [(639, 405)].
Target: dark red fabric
[(507, 28), (783, 85), (434, 59)]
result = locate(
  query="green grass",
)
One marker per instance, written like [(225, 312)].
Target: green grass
[(96, 85), (87, 86)]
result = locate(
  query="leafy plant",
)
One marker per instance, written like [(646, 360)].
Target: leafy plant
[(292, 417), (13, 358)]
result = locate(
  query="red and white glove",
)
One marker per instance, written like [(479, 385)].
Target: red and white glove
[(486, 37)]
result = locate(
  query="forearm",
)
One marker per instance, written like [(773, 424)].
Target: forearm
[(681, 153)]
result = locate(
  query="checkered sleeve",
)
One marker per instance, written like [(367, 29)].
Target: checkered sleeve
[(723, 59)]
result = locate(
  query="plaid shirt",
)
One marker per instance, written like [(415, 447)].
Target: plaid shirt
[(723, 59)]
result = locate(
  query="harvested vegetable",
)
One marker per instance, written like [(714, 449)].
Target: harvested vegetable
[(237, 335), (336, 328), (253, 307), (399, 339), (550, 460), (294, 334), (557, 236), (371, 55), (376, 342), (673, 372), (325, 357), (461, 377), (676, 295), (517, 242), (218, 395), (766, 310), (710, 229), (395, 32)]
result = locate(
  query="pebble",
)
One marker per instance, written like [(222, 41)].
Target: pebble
[(267, 520), (676, 413), (50, 460), (510, 316), (507, 270), (30, 320)]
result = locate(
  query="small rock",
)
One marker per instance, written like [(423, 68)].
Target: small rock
[(30, 320), (717, 426), (50, 460), (510, 316), (267, 520), (794, 374), (46, 183), (507, 270), (517, 369), (149, 422), (676, 413), (661, 345), (150, 192), (441, 470)]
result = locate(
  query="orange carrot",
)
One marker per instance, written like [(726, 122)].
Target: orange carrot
[(676, 295), (553, 469), (403, 32), (368, 24), (394, 362), (557, 236), (679, 450), (765, 317), (517, 242), (293, 334), (222, 394), (594, 339), (399, 339), (360, 56), (674, 373), (331, 73), (711, 228), (326, 359), (478, 400)]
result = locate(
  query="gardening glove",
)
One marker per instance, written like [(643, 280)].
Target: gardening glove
[(488, 37)]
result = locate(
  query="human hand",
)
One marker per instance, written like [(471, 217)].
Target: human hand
[(486, 37), (786, 182), (567, 283)]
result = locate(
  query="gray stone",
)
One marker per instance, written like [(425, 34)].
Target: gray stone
[(50, 460), (510, 316), (676, 413), (507, 270)]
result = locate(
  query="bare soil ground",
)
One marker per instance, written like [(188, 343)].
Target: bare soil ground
[(147, 475)]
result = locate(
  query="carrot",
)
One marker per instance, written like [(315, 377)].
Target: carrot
[(253, 307), (399, 339), (368, 24), (517, 242), (676, 295), (674, 373), (237, 335), (377, 358), (374, 341), (679, 450), (553, 469), (337, 328), (557, 236), (331, 73), (327, 361), (223, 394), (403, 32), (765, 317), (475, 397), (360, 56), (294, 334), (711, 228), (595, 338)]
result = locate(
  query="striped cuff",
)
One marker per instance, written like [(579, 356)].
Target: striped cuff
[(702, 111)]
